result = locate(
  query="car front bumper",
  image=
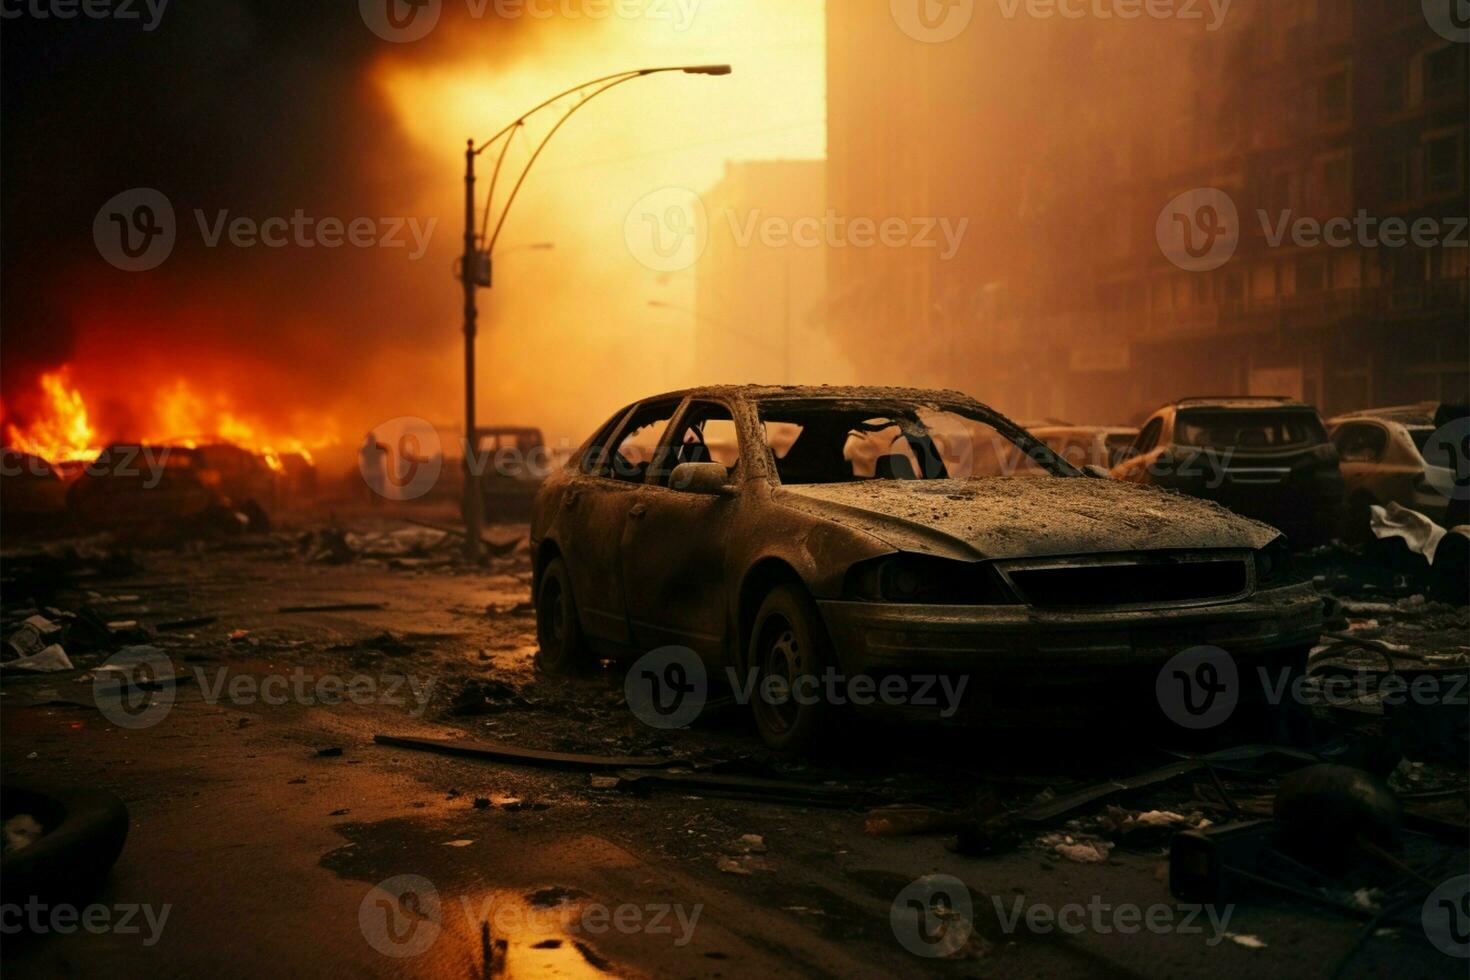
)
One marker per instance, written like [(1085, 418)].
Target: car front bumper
[(1019, 657)]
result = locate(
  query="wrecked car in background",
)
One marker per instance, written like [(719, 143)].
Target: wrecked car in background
[(145, 490), (1390, 456), (513, 461), (848, 532), (1088, 445), (1265, 458)]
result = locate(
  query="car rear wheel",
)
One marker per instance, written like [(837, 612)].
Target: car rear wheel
[(791, 654), (558, 631)]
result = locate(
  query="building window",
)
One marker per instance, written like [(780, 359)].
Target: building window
[(1312, 275), (1337, 180), (1334, 100), (1441, 72), (1442, 164), (1395, 88), (1396, 175)]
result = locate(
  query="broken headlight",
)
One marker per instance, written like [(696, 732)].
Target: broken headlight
[(923, 579), (1273, 563)]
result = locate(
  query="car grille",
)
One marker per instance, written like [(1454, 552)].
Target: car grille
[(1139, 582)]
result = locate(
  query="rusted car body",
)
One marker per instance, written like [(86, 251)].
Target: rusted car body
[(1388, 457), (1041, 585), (1264, 458)]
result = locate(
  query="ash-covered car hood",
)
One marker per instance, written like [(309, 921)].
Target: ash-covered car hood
[(1023, 517)]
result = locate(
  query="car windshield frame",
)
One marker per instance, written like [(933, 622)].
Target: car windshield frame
[(883, 407)]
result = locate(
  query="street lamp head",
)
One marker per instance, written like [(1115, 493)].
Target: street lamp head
[(708, 70)]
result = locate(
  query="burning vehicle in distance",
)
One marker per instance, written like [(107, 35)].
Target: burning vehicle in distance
[(855, 532), (160, 489), (1265, 458)]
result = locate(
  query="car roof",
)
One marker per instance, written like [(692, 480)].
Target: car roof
[(1240, 402), (1421, 414), (755, 392)]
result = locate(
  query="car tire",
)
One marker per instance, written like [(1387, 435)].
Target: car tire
[(788, 641), (563, 647)]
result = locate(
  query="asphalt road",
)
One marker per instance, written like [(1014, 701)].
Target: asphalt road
[(253, 853)]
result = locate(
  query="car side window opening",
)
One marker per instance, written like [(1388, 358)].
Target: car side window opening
[(706, 435), (842, 443), (593, 462), (1148, 438), (1361, 443), (629, 461)]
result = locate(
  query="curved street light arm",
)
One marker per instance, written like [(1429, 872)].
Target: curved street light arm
[(495, 177), (505, 212)]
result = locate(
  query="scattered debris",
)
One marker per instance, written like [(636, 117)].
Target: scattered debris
[(1084, 852), (515, 754), (331, 752), (196, 622), (336, 607), (1249, 942), (49, 661)]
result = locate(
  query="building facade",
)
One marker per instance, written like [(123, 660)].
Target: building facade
[(1336, 130)]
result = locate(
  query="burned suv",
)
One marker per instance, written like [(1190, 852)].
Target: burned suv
[(1266, 458), (793, 533)]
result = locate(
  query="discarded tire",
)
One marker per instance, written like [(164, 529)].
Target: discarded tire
[(84, 831)]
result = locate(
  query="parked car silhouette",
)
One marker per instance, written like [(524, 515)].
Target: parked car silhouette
[(1266, 458)]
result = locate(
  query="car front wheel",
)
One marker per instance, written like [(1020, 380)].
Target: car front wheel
[(558, 631), (791, 655)]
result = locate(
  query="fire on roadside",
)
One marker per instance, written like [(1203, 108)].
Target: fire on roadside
[(61, 429)]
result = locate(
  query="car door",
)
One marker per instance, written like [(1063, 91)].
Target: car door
[(594, 510), (673, 548)]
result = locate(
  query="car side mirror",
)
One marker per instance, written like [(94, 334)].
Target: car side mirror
[(709, 479)]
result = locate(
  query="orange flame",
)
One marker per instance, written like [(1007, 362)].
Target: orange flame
[(62, 430)]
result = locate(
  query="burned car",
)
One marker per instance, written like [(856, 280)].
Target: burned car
[(842, 530), (1392, 456), (1266, 458)]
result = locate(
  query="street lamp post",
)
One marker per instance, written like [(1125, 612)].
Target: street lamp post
[(478, 271)]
